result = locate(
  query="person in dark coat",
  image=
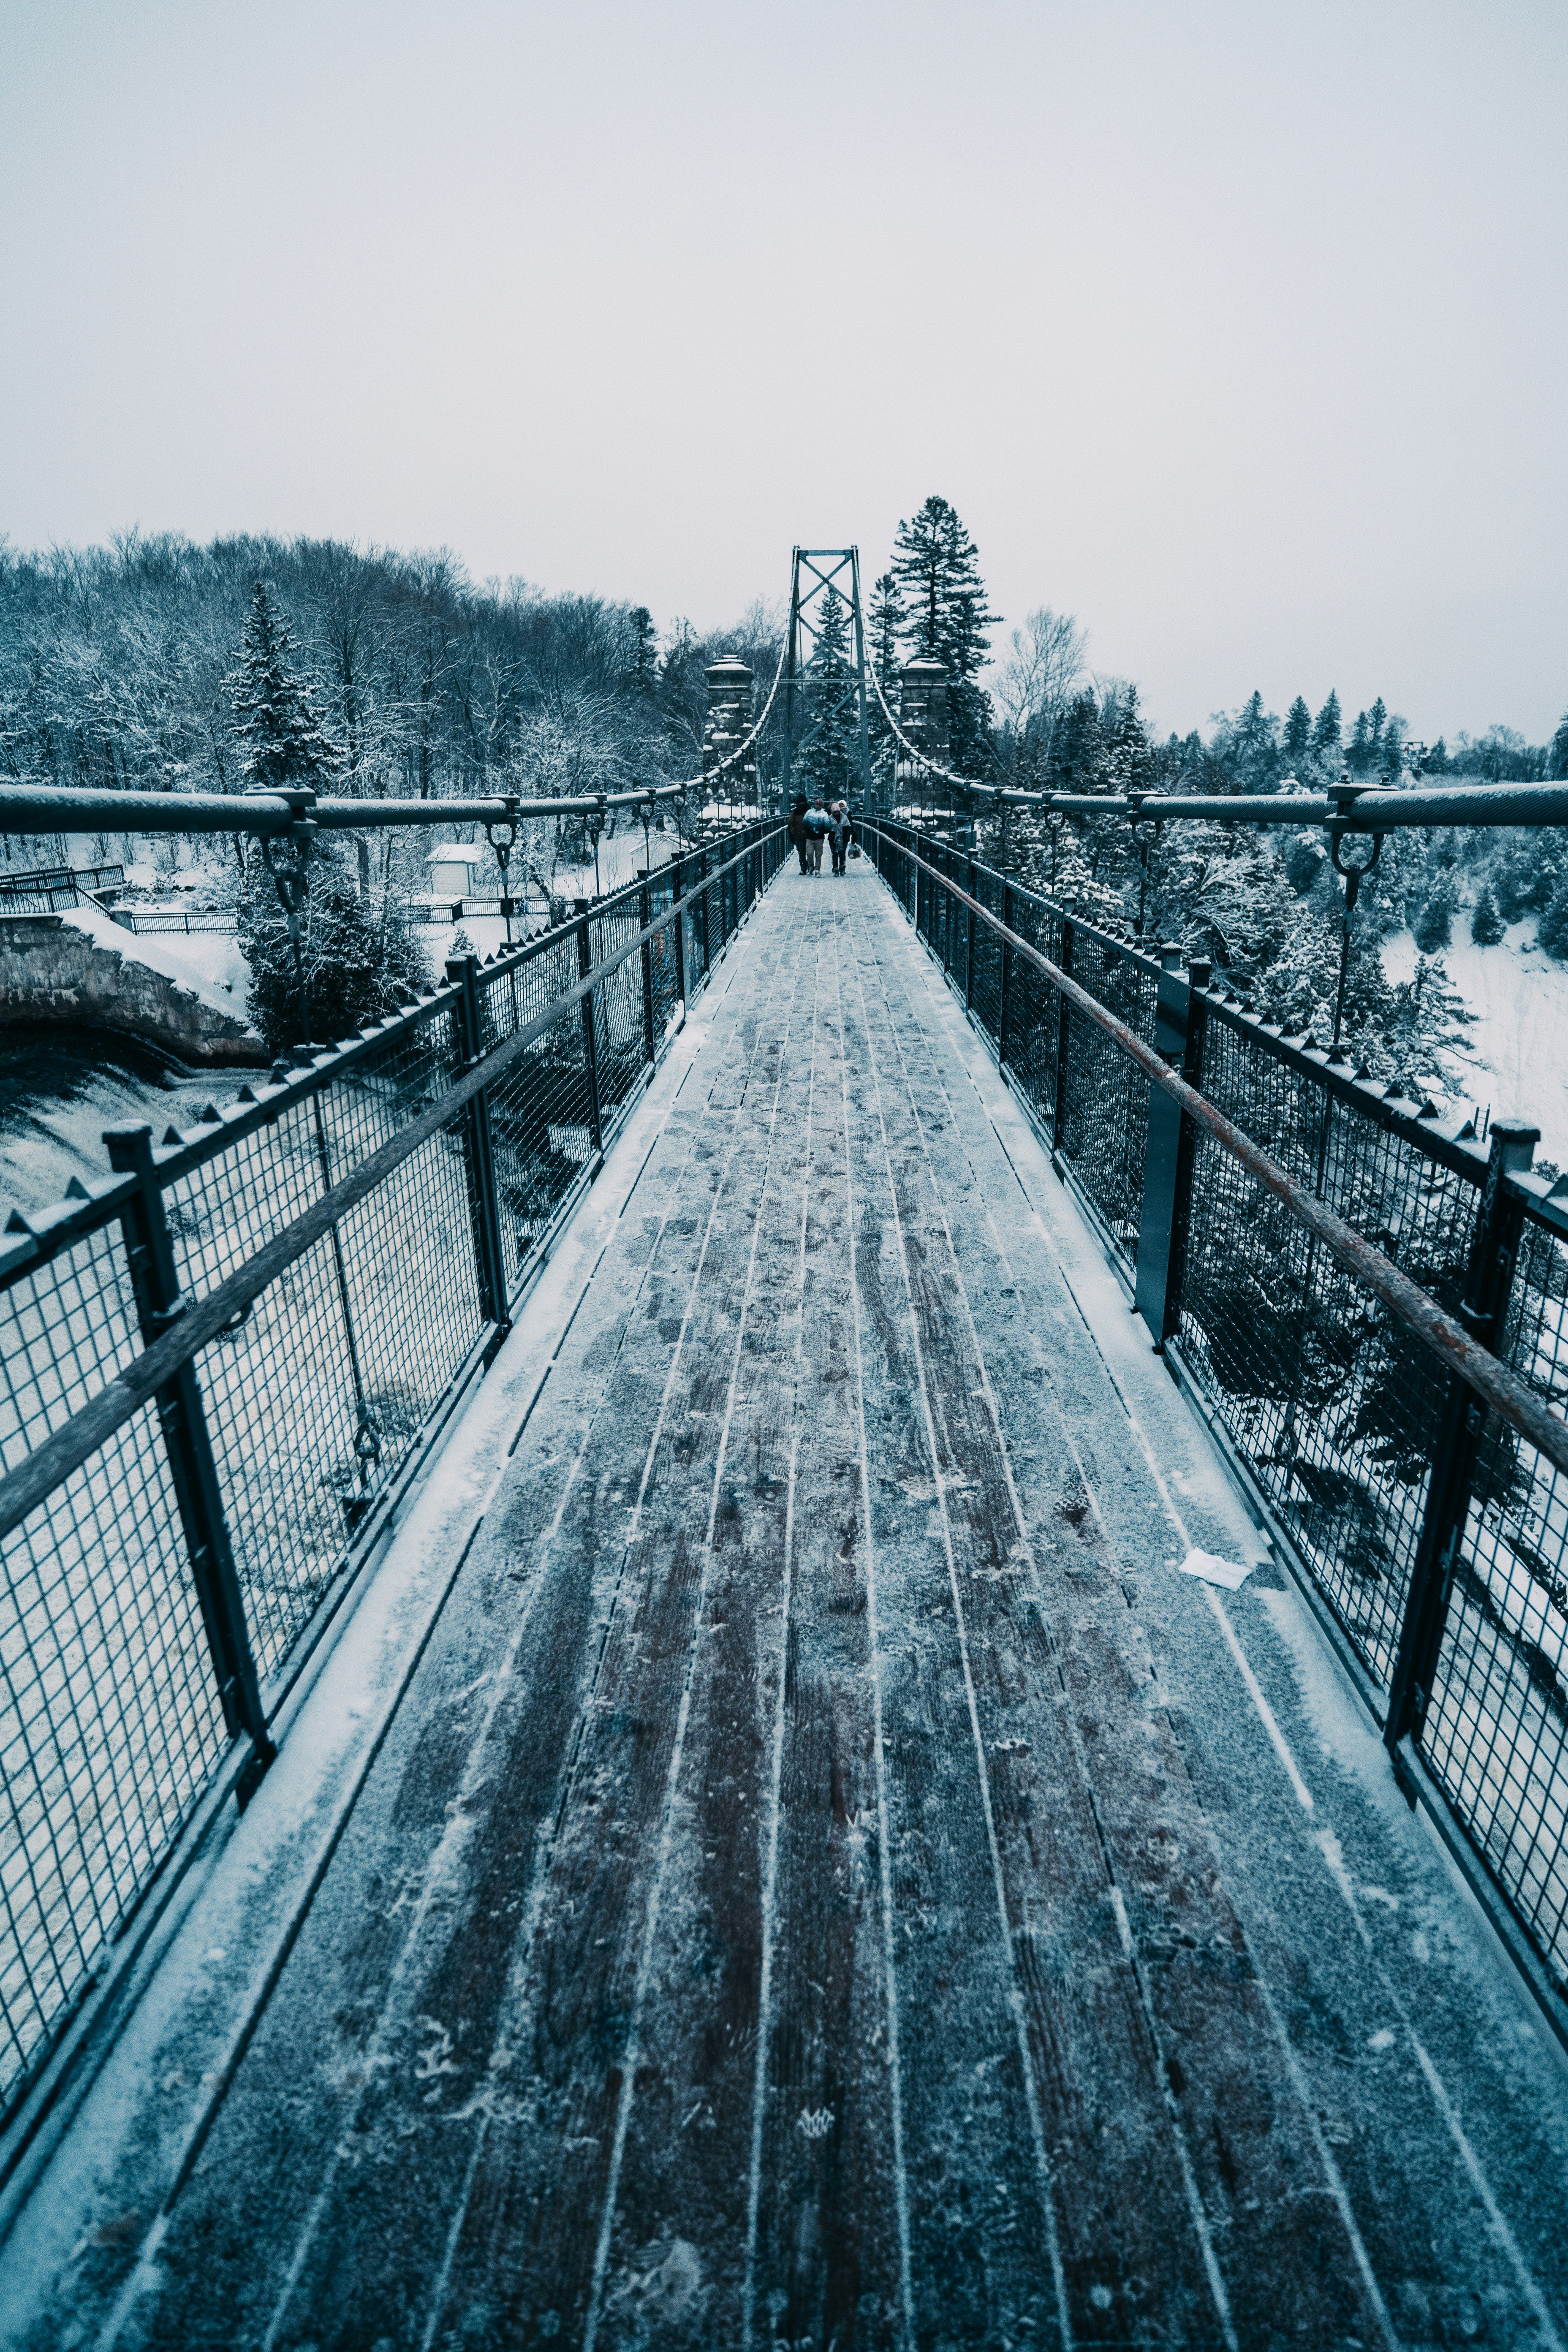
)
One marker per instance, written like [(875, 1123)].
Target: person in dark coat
[(816, 824), (841, 834), (797, 831)]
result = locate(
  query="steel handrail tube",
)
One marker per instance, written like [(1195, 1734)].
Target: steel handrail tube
[(1491, 1380), (21, 1490)]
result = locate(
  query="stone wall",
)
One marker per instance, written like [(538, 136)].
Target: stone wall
[(51, 970)]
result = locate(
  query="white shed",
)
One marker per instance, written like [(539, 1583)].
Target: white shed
[(451, 869)]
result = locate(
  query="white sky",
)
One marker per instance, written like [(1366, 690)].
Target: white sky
[(1241, 331)]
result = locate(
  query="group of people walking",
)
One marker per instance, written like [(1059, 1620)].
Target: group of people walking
[(812, 823)]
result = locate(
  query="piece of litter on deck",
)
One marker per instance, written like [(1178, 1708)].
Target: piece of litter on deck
[(1215, 1571)]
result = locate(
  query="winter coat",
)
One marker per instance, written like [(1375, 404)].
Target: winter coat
[(840, 832), (797, 825), (818, 820)]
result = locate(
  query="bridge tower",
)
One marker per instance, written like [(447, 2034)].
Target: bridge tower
[(813, 570)]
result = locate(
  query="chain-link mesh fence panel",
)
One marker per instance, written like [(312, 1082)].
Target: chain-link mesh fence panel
[(317, 1397), (1495, 1730), (66, 1328), (109, 1724), (1104, 1095)]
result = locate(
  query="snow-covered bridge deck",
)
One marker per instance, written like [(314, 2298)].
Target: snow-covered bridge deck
[(828, 1879)]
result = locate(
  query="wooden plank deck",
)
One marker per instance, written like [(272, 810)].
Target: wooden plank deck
[(787, 1910)]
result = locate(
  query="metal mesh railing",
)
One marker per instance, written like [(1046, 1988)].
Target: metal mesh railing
[(356, 1232), (1337, 1415)]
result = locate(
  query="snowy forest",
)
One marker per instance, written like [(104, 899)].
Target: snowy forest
[(156, 664)]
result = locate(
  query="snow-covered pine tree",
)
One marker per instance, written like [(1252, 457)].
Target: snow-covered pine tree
[(1557, 756), (352, 954), (275, 717), (829, 752), (937, 568), (1326, 734), (884, 626), (642, 652), (1297, 739), (1078, 755), (1485, 924), (1552, 928)]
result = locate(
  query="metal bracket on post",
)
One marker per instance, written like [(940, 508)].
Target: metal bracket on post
[(502, 843), (484, 1203), (193, 1469), (1341, 794), (1500, 1221), (590, 1042), (291, 883), (1168, 1150)]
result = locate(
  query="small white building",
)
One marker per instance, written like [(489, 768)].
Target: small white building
[(451, 869)]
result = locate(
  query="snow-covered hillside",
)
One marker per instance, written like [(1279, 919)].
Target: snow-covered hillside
[(1514, 1063)]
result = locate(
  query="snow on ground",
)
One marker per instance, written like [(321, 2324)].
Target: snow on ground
[(200, 972), (1515, 1061), (58, 1094)]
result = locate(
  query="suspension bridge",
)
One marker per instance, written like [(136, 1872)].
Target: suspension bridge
[(825, 1612)]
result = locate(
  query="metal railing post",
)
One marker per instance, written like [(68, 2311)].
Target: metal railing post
[(1059, 1106), (484, 1203), (1007, 976), (645, 916), (968, 945), (193, 1469), (703, 902), (1168, 1150), (590, 1040), (1500, 1221)]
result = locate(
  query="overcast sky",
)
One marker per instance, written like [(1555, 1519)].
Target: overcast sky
[(1240, 331)]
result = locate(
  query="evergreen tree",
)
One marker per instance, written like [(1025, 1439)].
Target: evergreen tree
[(1552, 930), (1326, 730), (1485, 923), (885, 624), (275, 714), (1298, 737), (1359, 755), (642, 665), (829, 749), (937, 568), (1375, 719), (1434, 926), (1079, 759), (1128, 754), (1557, 757), (353, 953)]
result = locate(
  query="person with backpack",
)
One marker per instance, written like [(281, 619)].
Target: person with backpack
[(841, 834), (816, 825), (797, 831)]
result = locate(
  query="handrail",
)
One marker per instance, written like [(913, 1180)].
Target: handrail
[(1453, 1148), (1491, 1380), (21, 1490)]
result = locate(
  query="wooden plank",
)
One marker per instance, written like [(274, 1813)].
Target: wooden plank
[(1099, 2155), (1266, 2189), (829, 2265), (531, 2250), (1374, 2109), (339, 2189), (677, 2265)]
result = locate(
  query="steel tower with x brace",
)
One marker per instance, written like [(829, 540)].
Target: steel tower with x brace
[(837, 568)]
